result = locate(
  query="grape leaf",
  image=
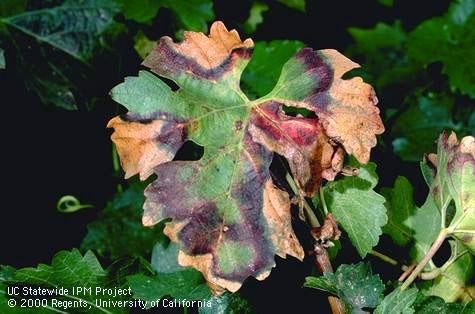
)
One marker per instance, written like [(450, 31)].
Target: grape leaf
[(226, 214), (118, 231), (185, 284), (68, 269), (227, 303), (75, 27), (417, 127), (3, 64), (171, 279), (357, 207), (255, 17), (294, 4), (449, 39), (263, 71), (398, 302), (435, 305), (453, 178), (400, 207), (453, 283), (193, 14), (353, 284), (141, 11), (381, 36)]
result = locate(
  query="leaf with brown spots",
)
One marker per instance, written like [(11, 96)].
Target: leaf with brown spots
[(226, 214)]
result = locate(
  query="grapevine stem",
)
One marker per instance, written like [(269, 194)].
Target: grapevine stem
[(322, 199), (433, 249), (322, 260), (384, 257)]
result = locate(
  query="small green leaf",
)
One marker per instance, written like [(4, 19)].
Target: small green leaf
[(227, 303), (321, 283), (194, 14), (294, 4), (357, 207), (3, 64), (435, 305), (398, 302), (165, 258), (353, 284), (387, 3), (185, 284), (381, 36), (400, 205), (118, 232), (417, 127), (255, 16), (143, 45), (262, 73), (141, 11)]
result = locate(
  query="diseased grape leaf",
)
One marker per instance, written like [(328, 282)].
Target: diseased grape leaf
[(398, 302), (263, 71), (118, 232), (226, 215), (452, 176), (449, 39), (357, 207), (354, 284)]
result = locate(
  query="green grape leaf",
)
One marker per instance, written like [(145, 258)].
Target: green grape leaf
[(68, 269), (255, 17), (435, 305), (227, 216), (354, 284), (417, 127), (398, 302), (262, 73), (358, 208), (454, 282), (449, 39), (381, 36), (142, 44), (165, 258), (387, 3), (227, 303), (3, 64), (294, 4), (118, 231), (141, 11), (400, 207), (75, 27), (193, 14), (185, 284)]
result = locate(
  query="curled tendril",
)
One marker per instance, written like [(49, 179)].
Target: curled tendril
[(70, 204)]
